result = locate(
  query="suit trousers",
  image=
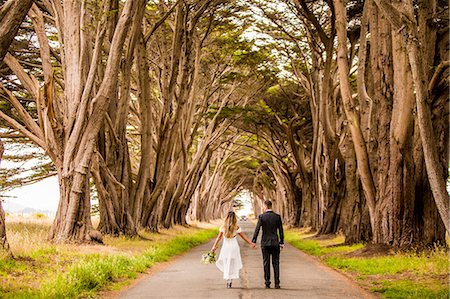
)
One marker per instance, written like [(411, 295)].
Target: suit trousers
[(267, 252)]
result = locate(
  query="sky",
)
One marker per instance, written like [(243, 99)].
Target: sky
[(246, 199), (43, 195)]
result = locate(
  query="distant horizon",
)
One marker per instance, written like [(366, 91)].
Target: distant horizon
[(41, 196)]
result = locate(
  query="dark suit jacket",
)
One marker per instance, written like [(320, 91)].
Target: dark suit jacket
[(270, 223)]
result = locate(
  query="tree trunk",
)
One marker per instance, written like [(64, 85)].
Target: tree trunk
[(401, 162), (334, 189), (12, 13), (4, 245), (73, 218), (72, 222), (113, 190), (114, 159), (429, 228), (355, 221), (403, 20), (429, 144), (383, 93), (142, 184), (364, 170)]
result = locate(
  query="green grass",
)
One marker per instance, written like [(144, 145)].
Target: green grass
[(400, 275), (419, 264), (67, 271), (401, 289), (315, 248)]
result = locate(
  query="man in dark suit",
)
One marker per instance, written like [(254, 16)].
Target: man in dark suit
[(272, 226)]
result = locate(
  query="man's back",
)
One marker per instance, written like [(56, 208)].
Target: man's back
[(270, 244), (271, 226)]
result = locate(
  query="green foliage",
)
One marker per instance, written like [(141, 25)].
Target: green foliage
[(252, 163), (259, 114), (226, 112), (238, 204), (265, 107)]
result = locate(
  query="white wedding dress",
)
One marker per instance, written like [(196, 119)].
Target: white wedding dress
[(229, 261)]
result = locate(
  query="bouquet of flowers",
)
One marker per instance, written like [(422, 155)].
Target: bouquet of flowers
[(208, 257)]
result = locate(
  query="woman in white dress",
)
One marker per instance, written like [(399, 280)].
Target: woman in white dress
[(229, 261)]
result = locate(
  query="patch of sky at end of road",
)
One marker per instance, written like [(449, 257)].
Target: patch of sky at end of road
[(246, 199)]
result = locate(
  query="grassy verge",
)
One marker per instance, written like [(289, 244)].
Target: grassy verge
[(392, 275), (44, 270)]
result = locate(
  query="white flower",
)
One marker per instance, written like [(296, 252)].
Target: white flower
[(208, 257)]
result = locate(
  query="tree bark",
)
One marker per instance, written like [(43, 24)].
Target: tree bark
[(12, 13), (403, 21), (355, 221), (72, 222), (73, 218), (349, 107), (4, 245), (114, 175)]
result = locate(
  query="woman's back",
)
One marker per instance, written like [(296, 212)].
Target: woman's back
[(233, 235)]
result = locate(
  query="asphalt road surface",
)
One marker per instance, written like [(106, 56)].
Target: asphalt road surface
[(301, 276)]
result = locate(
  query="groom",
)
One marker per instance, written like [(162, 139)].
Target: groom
[(270, 243)]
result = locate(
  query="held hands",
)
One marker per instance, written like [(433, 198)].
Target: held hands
[(281, 246), (253, 245)]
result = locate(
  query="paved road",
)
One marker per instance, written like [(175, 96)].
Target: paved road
[(301, 277)]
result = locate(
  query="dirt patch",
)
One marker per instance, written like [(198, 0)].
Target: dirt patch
[(335, 245), (24, 259), (371, 250), (321, 237), (143, 238), (375, 279)]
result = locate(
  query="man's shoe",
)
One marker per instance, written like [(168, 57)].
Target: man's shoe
[(277, 287), (267, 286)]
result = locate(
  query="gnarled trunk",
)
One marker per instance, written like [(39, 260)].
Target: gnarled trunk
[(403, 19), (73, 218), (12, 13), (4, 245), (355, 221), (86, 116), (113, 188)]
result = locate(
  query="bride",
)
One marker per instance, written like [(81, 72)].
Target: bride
[(229, 261)]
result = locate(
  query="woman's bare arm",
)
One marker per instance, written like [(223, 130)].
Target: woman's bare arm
[(244, 237), (217, 241)]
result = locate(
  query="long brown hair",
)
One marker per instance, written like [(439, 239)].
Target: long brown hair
[(230, 225)]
